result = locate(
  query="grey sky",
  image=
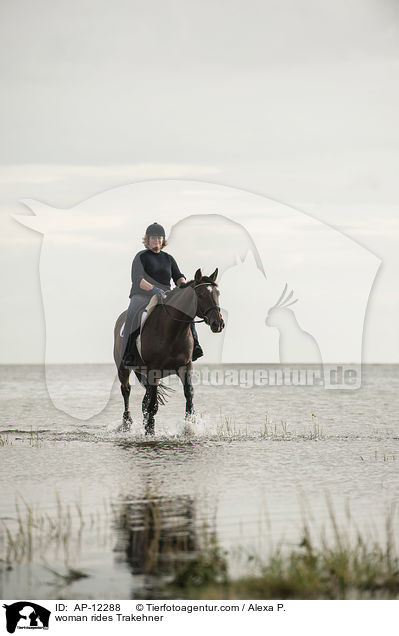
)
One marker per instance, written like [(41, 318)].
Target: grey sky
[(86, 81), (297, 100)]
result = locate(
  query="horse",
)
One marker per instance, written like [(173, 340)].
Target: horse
[(167, 345)]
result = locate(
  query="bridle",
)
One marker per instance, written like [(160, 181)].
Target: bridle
[(203, 313)]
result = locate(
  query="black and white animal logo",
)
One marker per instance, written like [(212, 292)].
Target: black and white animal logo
[(26, 615)]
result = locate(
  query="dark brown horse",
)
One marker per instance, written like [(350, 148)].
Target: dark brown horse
[(167, 344)]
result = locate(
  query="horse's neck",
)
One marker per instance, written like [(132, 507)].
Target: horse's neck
[(179, 306), (174, 320)]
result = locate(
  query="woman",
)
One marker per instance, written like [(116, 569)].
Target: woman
[(152, 270)]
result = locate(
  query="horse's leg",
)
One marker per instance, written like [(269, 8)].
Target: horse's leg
[(144, 404), (150, 407), (124, 373), (185, 377)]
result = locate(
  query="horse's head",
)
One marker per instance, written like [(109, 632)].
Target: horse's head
[(208, 294)]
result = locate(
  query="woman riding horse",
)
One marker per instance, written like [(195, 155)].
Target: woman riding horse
[(152, 271), (169, 342)]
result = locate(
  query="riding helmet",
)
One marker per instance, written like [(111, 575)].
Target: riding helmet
[(155, 230)]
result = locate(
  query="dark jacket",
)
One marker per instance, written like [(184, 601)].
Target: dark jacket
[(156, 268)]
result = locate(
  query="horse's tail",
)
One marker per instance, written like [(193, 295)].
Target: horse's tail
[(162, 392)]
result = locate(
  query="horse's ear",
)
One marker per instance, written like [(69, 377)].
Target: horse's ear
[(198, 276), (213, 276)]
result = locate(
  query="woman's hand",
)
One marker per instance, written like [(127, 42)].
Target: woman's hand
[(144, 284), (157, 291)]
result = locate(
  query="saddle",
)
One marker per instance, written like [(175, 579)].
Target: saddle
[(146, 312)]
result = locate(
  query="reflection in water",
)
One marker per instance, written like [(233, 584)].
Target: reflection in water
[(156, 534)]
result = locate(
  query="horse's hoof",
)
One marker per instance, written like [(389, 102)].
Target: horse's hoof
[(125, 426), (149, 430), (188, 431), (126, 422)]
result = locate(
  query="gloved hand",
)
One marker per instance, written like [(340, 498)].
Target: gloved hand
[(157, 291)]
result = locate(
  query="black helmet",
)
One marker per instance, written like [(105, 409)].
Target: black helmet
[(155, 230)]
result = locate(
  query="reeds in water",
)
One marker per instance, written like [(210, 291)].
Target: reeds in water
[(339, 568)]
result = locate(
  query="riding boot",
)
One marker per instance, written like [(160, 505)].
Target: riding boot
[(197, 351), (128, 357)]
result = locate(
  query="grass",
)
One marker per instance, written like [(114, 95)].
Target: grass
[(208, 568), (281, 431), (31, 534), (4, 440), (69, 577), (229, 427), (338, 569), (188, 561), (163, 539), (33, 438), (304, 573)]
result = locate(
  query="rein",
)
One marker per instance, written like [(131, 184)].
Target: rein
[(189, 320)]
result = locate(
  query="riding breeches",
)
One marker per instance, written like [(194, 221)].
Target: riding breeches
[(132, 322)]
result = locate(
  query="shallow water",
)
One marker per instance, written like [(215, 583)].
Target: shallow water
[(256, 462)]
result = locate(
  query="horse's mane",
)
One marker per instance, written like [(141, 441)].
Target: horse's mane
[(188, 283), (170, 294)]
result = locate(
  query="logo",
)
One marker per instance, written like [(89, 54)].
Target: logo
[(26, 615)]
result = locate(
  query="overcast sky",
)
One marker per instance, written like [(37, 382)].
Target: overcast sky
[(293, 99)]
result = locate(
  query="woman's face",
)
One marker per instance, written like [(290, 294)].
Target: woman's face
[(155, 243)]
